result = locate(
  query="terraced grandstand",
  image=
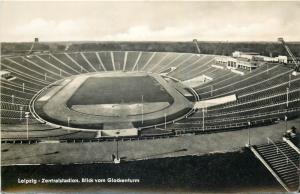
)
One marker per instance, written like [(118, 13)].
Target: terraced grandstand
[(263, 96), (155, 104)]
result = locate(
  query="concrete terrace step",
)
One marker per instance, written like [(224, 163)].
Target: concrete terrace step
[(279, 165), (277, 157), (282, 161)]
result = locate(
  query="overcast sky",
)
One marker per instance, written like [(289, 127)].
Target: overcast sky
[(137, 21)]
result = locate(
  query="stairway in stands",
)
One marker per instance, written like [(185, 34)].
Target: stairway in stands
[(282, 161)]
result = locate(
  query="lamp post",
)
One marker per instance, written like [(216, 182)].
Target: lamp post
[(285, 120), (12, 99), (142, 109), (27, 128), (21, 112), (287, 97), (203, 118), (165, 121), (117, 147), (68, 121), (249, 124), (117, 159)]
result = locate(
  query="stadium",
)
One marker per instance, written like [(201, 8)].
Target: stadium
[(122, 97), (75, 97)]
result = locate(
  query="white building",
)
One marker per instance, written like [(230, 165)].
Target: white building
[(282, 59), (257, 57), (246, 64), (236, 63), (247, 55), (265, 59)]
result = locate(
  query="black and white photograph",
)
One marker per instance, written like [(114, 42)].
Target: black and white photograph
[(147, 96)]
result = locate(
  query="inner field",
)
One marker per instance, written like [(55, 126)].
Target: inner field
[(119, 90)]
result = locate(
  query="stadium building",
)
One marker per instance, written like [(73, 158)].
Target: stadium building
[(178, 100)]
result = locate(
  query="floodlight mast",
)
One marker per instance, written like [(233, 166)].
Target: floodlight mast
[(31, 48), (195, 41), (297, 69)]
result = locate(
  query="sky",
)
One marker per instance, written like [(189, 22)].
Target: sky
[(148, 21)]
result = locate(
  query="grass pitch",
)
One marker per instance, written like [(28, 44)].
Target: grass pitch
[(119, 90)]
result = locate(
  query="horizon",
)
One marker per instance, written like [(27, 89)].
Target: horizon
[(142, 41)]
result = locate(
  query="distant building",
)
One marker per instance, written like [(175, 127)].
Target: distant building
[(246, 64), (290, 60), (236, 63), (36, 40), (282, 59), (265, 58), (257, 57), (247, 55), (223, 60)]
